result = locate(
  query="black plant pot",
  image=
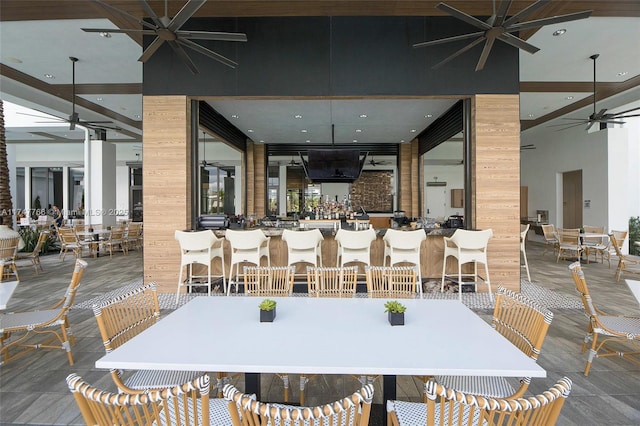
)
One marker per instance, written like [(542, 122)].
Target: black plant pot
[(267, 316), (396, 318)]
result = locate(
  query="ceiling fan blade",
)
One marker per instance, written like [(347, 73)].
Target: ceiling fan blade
[(211, 35), (599, 115), (488, 44), (151, 13), (590, 124), (624, 112), (209, 53), (503, 9), (568, 127), (579, 123), (177, 48), (463, 16), (518, 42), (548, 21), (626, 116), (524, 12), (38, 116), (448, 39), (460, 52), (612, 122), (125, 14), (117, 31), (151, 49), (187, 11)]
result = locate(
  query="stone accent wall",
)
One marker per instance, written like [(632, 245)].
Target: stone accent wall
[(373, 191)]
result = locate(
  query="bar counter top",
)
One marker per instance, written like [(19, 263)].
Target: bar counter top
[(277, 231)]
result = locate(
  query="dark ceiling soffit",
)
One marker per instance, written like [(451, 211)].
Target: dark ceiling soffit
[(216, 123), (447, 125), (294, 150), (604, 91), (63, 91)]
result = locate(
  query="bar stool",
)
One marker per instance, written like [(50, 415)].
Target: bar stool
[(467, 247), (246, 247), (523, 239), (303, 246), (354, 246), (198, 247), (404, 247)]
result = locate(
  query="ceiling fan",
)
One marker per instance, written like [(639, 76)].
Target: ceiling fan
[(169, 30), (74, 118), (204, 162), (293, 163), (378, 163), (527, 146), (498, 27), (600, 116)]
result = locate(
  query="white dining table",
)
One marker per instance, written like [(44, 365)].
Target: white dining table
[(634, 286), (323, 336), (7, 288)]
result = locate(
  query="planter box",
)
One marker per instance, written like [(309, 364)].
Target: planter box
[(267, 316), (396, 318)]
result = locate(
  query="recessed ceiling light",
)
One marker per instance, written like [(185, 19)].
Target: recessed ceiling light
[(303, 131), (105, 34), (531, 115), (428, 116), (621, 73), (234, 116), (401, 140), (261, 141), (559, 32), (363, 115), (355, 140), (308, 141), (413, 130), (49, 76), (138, 116), (298, 116), (250, 130), (99, 99), (569, 98), (358, 130)]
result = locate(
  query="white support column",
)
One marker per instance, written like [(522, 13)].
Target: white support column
[(87, 177), (13, 176), (65, 192), (27, 189), (103, 183)]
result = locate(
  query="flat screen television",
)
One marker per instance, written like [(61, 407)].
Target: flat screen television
[(333, 165)]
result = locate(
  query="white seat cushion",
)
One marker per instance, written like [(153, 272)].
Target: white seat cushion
[(492, 387)]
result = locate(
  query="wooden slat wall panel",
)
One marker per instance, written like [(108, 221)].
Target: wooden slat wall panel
[(166, 186), (404, 178), (251, 185), (415, 180), (260, 182), (496, 181)]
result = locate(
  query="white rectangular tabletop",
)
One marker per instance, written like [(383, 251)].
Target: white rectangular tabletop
[(323, 336), (6, 291), (634, 286)]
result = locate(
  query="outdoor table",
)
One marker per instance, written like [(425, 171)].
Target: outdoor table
[(634, 286), (6, 291), (323, 336), (95, 237)]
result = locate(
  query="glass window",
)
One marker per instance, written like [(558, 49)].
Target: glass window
[(76, 192), (273, 182)]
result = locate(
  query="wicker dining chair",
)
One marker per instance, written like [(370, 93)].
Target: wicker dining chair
[(8, 253), (332, 281), (34, 256), (125, 316), (623, 331), (624, 261), (525, 324), (18, 328), (353, 410), (453, 408), (550, 238), (117, 240), (183, 405), (569, 244), (68, 241), (392, 282)]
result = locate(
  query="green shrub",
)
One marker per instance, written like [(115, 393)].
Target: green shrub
[(634, 234), (30, 237)]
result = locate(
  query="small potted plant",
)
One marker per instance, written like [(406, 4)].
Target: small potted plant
[(267, 310), (396, 312)]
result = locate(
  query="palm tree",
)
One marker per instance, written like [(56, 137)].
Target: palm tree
[(6, 204)]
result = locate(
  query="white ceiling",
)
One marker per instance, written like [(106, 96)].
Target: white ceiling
[(43, 47)]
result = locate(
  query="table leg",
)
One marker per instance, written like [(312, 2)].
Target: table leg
[(252, 384), (388, 392)]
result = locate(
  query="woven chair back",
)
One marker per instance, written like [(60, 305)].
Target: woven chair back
[(41, 240), (274, 281), (183, 405), (332, 282), (353, 410), (549, 232), (522, 321), (391, 281), (9, 248), (569, 236), (581, 286), (67, 235), (452, 407)]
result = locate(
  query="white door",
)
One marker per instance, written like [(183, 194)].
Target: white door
[(436, 201)]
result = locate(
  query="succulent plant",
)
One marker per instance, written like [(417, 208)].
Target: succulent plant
[(394, 307), (267, 305)]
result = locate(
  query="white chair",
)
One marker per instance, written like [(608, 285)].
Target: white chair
[(199, 247), (246, 247), (354, 246), (404, 247), (524, 229), (467, 247), (303, 246)]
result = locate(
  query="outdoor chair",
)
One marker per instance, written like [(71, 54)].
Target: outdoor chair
[(525, 324), (199, 248), (303, 246), (117, 239), (550, 238), (183, 405), (354, 410), (34, 256), (404, 247), (124, 317), (467, 247), (332, 281), (453, 408), (18, 328), (8, 252), (392, 282), (524, 229), (134, 235), (624, 261), (623, 331), (569, 244), (354, 246), (594, 245), (246, 247), (68, 241)]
